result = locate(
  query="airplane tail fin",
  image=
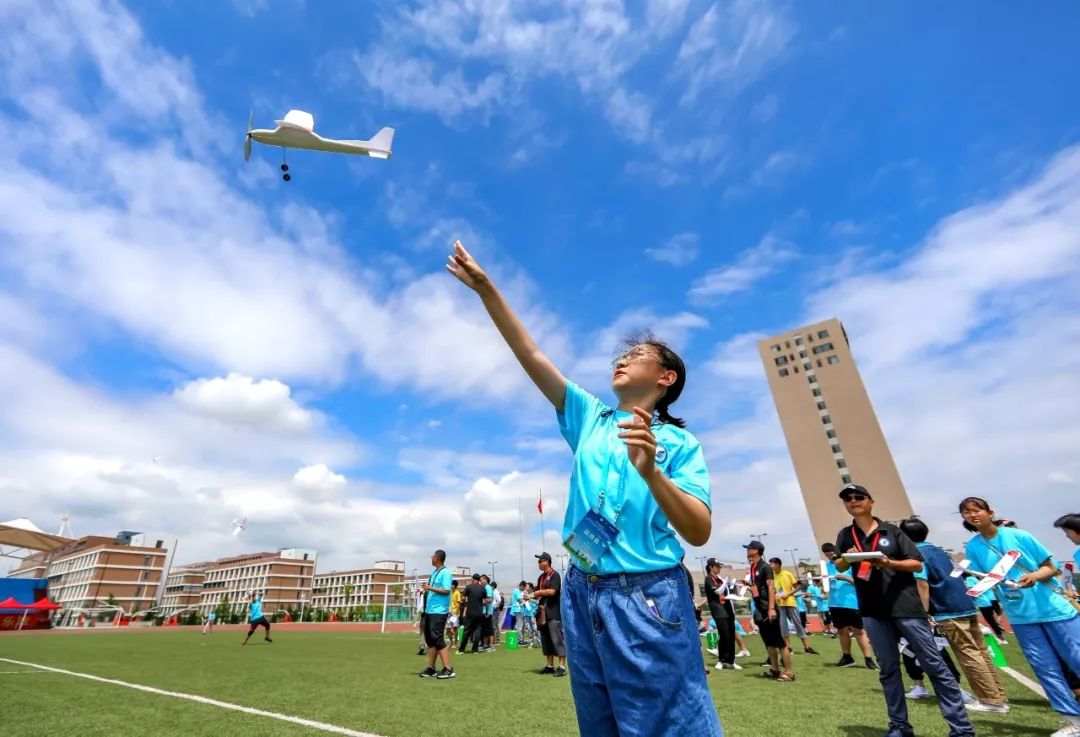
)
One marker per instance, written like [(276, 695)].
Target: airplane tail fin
[(382, 141)]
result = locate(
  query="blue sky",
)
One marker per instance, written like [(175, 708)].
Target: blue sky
[(293, 354)]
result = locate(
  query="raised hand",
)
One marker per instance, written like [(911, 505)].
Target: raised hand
[(640, 441), (465, 268)]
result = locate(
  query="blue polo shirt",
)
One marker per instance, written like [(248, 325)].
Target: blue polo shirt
[(1040, 603), (800, 601), (489, 593), (255, 612), (439, 603), (814, 591), (515, 603), (646, 540), (841, 593)]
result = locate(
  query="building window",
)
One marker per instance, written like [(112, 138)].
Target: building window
[(811, 378), (823, 333), (807, 367), (835, 448), (775, 348), (833, 360), (784, 372), (798, 341), (780, 360), (810, 338), (819, 363), (841, 463), (795, 369), (825, 419), (787, 343), (821, 405), (816, 392), (846, 479), (830, 433), (802, 354), (822, 347)]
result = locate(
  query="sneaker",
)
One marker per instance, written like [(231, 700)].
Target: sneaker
[(719, 666), (968, 698), (1001, 640), (766, 664), (811, 651), (428, 672), (547, 670), (917, 692), (712, 652), (846, 661), (268, 639), (870, 664), (742, 654), (734, 666), (1071, 729), (446, 673), (421, 651), (992, 708), (560, 672)]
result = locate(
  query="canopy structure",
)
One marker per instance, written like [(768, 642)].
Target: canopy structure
[(21, 538), (44, 605), (11, 603)]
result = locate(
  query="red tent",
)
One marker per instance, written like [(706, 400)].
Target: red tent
[(43, 605), (10, 603)]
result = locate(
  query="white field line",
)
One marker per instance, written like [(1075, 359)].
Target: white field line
[(201, 700), (1025, 681), (19, 672)]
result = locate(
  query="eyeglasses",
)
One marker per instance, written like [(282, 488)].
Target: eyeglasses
[(635, 355), (855, 498)]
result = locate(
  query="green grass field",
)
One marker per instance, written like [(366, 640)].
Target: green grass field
[(367, 682)]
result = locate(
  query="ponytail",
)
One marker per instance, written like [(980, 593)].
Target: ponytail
[(663, 415)]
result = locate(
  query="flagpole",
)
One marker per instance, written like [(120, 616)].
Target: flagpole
[(540, 506), (521, 539)]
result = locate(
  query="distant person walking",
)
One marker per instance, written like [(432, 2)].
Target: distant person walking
[(723, 613), (208, 625)]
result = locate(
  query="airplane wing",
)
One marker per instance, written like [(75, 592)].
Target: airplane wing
[(996, 574), (299, 119)]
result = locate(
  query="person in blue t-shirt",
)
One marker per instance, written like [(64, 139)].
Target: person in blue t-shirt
[(1043, 621), (639, 482), (488, 625), (1070, 525), (436, 611), (256, 618), (821, 603), (844, 610)]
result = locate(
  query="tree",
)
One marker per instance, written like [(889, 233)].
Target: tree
[(224, 609), (348, 589)]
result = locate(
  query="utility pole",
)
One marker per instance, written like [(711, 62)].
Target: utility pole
[(492, 564), (759, 536), (794, 562)]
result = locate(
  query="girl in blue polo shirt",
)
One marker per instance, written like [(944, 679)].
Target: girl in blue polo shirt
[(639, 478), (1043, 621)]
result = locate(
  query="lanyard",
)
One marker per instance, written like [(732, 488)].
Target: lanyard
[(872, 543), (431, 580), (619, 498)]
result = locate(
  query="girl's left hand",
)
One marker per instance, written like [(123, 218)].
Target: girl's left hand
[(1027, 580), (640, 441)]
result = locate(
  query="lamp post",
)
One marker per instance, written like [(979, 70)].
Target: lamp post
[(563, 557), (794, 562), (701, 560), (492, 564), (759, 536)]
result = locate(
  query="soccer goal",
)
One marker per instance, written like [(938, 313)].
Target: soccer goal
[(98, 616)]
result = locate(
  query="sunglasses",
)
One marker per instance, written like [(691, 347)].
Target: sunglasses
[(855, 498)]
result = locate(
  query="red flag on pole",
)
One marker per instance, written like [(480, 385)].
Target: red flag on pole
[(540, 504)]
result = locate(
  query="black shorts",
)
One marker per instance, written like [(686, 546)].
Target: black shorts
[(260, 622), (842, 617), (487, 627), (826, 617), (551, 638), (769, 629), (435, 631)]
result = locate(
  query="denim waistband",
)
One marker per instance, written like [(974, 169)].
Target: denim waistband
[(625, 581)]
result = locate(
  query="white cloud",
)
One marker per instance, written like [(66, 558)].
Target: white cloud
[(679, 250), (750, 267), (240, 399), (318, 479)]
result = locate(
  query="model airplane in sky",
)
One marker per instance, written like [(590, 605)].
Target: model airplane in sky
[(239, 526), (991, 579), (297, 130)]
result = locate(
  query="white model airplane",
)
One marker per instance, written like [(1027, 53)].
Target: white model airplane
[(996, 574), (297, 130), (239, 526)]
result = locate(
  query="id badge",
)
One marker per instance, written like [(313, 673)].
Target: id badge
[(1012, 594), (591, 539), (865, 569)]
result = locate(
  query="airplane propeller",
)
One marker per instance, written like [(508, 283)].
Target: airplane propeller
[(247, 138)]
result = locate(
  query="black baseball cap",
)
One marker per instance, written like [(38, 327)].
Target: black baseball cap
[(855, 489), (711, 562), (544, 556), (755, 545)]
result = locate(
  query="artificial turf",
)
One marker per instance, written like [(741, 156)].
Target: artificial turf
[(368, 682)]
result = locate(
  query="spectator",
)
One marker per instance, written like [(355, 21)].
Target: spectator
[(436, 612)]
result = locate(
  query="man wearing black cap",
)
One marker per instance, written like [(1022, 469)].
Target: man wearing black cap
[(475, 596), (890, 607), (548, 616), (723, 613), (763, 592)]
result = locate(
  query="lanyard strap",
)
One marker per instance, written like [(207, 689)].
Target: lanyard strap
[(619, 499), (873, 543)]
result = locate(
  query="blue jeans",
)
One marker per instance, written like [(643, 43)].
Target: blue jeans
[(884, 635), (1042, 643), (633, 672)]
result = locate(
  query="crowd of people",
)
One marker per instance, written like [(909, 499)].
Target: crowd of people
[(639, 486)]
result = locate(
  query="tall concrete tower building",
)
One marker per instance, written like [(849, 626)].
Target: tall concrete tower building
[(831, 430)]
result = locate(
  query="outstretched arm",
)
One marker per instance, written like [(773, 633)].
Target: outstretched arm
[(548, 379)]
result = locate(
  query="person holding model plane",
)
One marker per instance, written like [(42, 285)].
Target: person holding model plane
[(884, 560), (1044, 621)]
